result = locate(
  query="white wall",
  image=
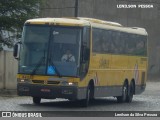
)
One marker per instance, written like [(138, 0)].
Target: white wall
[(8, 70)]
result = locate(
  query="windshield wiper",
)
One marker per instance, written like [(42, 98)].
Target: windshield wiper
[(53, 66), (38, 65)]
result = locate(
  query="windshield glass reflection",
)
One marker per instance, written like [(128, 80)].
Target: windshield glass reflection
[(50, 50)]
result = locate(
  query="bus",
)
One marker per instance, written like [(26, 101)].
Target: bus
[(108, 59)]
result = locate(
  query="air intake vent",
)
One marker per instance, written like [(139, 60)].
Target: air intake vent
[(53, 82), (38, 81), (45, 82)]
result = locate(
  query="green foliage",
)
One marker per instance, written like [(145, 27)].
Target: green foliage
[(13, 14)]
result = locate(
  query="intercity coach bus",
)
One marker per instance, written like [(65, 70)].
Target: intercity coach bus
[(109, 60)]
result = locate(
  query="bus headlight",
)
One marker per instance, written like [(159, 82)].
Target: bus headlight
[(23, 80), (69, 83), (73, 83)]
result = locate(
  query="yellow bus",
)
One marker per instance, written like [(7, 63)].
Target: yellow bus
[(81, 59)]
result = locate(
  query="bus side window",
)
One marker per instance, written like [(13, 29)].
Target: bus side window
[(140, 46), (96, 40), (131, 44), (136, 45), (117, 43)]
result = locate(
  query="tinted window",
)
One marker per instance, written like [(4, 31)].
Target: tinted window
[(116, 42), (136, 45), (101, 41)]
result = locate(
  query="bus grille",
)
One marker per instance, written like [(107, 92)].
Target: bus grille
[(53, 82), (45, 82), (38, 81)]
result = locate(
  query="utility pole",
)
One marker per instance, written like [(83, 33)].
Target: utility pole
[(76, 8)]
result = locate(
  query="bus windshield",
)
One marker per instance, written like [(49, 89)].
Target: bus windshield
[(50, 50)]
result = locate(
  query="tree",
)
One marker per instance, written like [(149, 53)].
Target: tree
[(13, 14)]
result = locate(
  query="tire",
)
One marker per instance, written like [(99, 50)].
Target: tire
[(122, 99), (36, 100), (85, 102), (130, 93)]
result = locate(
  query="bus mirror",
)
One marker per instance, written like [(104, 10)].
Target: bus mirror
[(16, 50)]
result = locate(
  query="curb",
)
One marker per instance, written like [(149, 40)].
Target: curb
[(5, 92)]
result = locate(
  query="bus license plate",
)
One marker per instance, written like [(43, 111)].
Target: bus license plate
[(45, 90)]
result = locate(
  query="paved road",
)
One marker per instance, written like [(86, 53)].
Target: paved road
[(148, 101)]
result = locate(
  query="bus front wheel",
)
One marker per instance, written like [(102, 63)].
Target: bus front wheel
[(36, 100), (85, 102)]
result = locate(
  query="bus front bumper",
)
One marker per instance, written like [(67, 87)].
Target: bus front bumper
[(47, 91)]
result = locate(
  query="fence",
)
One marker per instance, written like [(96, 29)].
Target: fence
[(8, 70)]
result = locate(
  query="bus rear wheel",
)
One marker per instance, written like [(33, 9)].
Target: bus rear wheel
[(123, 97), (36, 100), (130, 93)]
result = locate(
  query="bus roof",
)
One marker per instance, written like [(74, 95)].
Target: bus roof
[(59, 21), (82, 21)]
